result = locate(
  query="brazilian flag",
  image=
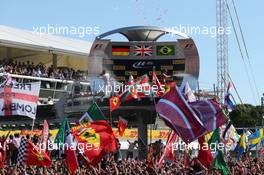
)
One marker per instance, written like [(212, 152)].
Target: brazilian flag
[(165, 50)]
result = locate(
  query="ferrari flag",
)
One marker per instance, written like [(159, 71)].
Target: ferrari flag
[(95, 139), (19, 99), (29, 154), (114, 103)]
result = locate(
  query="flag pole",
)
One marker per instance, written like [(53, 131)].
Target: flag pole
[(154, 102), (198, 86), (166, 147), (32, 128)]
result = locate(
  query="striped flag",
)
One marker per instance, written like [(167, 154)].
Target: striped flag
[(230, 86), (255, 138), (179, 116), (120, 50), (210, 113)]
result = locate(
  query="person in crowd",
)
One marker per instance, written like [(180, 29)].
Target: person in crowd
[(50, 101), (117, 153), (131, 147), (133, 166), (40, 70), (106, 78), (165, 76)]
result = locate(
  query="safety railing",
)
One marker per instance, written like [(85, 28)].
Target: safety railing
[(53, 88)]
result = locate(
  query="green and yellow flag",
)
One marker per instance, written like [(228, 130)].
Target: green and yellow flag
[(94, 113), (60, 137), (165, 50)]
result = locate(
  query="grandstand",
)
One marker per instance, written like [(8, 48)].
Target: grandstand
[(54, 60)]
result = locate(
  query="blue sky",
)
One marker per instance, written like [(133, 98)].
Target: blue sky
[(111, 14)]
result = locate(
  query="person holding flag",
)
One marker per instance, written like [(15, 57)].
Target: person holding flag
[(160, 88), (65, 141), (29, 154)]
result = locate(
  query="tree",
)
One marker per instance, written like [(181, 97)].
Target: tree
[(246, 115)]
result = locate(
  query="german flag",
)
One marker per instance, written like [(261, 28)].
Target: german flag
[(120, 50)]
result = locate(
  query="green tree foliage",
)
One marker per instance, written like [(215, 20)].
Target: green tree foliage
[(247, 115)]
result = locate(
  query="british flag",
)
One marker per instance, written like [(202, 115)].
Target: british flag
[(143, 50)]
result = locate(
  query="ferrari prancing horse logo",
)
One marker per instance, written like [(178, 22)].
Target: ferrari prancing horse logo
[(89, 135)]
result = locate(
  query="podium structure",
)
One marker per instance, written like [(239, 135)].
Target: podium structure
[(142, 48)]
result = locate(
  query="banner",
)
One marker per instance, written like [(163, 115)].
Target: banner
[(19, 99), (131, 134)]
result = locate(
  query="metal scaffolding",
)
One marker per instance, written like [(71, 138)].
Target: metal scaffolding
[(222, 47)]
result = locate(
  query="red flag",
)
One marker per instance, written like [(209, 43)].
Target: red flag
[(3, 150), (2, 153), (155, 81), (70, 154), (136, 89), (45, 135), (114, 103), (168, 152), (204, 155), (29, 154), (150, 154), (122, 124), (96, 140)]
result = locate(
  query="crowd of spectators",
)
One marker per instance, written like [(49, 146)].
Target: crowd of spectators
[(40, 70), (139, 167), (116, 165)]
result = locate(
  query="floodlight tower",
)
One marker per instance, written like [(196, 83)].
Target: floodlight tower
[(222, 47)]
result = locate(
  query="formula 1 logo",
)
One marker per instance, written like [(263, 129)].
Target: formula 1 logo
[(143, 64)]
